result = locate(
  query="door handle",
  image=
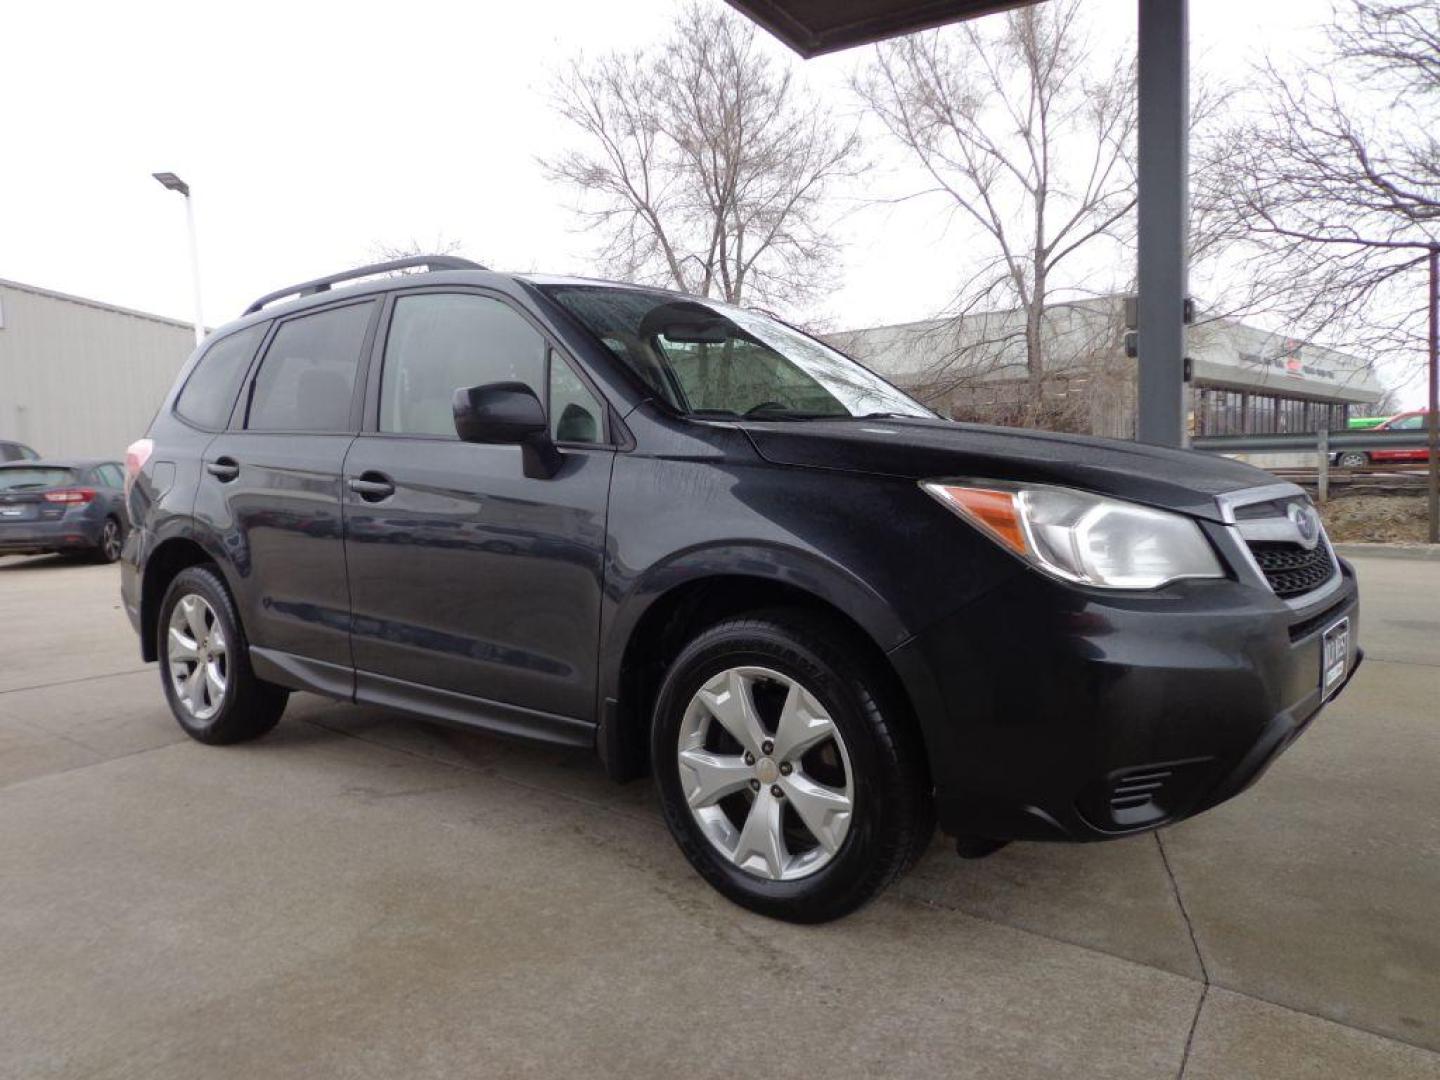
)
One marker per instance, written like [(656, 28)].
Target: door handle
[(223, 469), (372, 486)]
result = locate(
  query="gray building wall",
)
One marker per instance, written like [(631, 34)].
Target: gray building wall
[(80, 378)]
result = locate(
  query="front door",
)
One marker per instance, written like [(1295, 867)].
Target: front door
[(465, 575)]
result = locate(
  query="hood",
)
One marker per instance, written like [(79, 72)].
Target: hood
[(925, 449)]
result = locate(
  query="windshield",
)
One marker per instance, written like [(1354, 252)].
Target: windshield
[(714, 360), (30, 478)]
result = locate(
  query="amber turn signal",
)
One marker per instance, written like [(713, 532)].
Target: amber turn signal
[(997, 512)]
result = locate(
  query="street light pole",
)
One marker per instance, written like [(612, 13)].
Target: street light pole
[(1164, 220), (1432, 418), (171, 182)]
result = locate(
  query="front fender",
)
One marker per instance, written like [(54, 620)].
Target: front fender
[(797, 569)]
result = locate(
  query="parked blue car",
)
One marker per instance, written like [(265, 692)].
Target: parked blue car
[(71, 507)]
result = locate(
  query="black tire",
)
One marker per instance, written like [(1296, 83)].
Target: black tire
[(248, 708), (112, 536), (893, 816), (1353, 459)]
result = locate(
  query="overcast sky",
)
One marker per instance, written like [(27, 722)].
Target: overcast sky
[(312, 133)]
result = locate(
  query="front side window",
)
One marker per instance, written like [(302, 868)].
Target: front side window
[(576, 415), (442, 342), (1408, 423), (711, 359), (307, 378), (210, 391)]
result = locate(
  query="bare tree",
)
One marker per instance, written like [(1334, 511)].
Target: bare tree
[(1029, 148), (704, 165), (1332, 185), (441, 245)]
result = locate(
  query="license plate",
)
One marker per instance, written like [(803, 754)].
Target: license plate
[(1334, 656)]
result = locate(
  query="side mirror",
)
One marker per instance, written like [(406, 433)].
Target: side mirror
[(508, 414)]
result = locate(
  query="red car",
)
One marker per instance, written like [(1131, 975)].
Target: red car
[(1405, 421)]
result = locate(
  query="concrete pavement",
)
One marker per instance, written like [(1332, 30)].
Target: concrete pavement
[(358, 895)]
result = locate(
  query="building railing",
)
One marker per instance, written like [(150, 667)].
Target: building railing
[(1323, 443), (1312, 440)]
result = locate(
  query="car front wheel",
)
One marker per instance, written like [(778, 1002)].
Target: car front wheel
[(1354, 459), (788, 771)]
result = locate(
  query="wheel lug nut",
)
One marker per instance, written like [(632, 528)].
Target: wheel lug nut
[(786, 768), (776, 790), (766, 747), (749, 758), (754, 785)]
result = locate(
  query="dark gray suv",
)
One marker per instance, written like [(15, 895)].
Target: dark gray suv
[(709, 547)]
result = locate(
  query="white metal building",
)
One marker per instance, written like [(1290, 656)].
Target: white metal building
[(1246, 380), (79, 378)]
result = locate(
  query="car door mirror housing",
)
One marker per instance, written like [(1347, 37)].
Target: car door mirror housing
[(508, 414)]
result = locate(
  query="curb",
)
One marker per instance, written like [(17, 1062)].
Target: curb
[(1429, 552)]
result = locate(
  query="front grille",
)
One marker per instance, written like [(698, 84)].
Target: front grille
[(1291, 569)]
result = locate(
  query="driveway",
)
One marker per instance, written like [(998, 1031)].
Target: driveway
[(360, 896)]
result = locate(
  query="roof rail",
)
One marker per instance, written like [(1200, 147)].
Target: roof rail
[(323, 284)]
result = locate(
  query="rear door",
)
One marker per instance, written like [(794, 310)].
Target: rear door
[(466, 576), (110, 489), (270, 489)]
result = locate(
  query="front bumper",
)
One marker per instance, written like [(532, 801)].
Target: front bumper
[(1054, 713), (62, 534)]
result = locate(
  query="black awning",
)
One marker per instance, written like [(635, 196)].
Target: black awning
[(812, 27)]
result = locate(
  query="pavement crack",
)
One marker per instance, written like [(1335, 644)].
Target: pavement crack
[(1184, 911), (69, 682), (1199, 956), (1190, 1038)]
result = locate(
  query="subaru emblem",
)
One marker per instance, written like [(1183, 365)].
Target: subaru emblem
[(1306, 522)]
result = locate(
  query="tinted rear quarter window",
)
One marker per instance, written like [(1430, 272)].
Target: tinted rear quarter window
[(307, 378), (210, 391)]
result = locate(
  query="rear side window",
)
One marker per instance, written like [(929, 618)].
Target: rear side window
[(441, 342), (111, 476), (210, 391), (307, 378)]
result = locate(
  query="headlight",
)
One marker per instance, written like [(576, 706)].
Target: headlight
[(1082, 537)]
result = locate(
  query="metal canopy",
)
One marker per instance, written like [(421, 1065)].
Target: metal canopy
[(812, 27)]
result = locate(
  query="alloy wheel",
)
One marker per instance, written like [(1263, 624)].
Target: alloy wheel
[(766, 773), (199, 656), (110, 540)]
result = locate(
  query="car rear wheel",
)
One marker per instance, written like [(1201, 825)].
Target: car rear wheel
[(787, 771), (205, 664), (111, 540), (1353, 459)]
